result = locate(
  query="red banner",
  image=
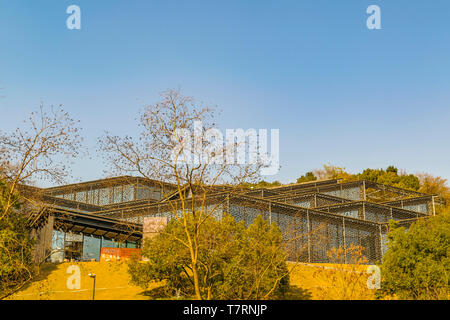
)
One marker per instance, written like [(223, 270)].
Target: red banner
[(118, 254)]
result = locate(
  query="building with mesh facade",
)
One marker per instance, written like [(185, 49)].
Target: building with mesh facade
[(314, 217)]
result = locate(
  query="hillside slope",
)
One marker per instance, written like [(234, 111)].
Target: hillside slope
[(309, 281)]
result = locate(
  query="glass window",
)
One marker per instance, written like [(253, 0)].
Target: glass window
[(57, 246), (91, 248), (73, 247), (106, 243)]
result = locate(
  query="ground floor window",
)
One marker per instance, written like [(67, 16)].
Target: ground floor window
[(78, 247)]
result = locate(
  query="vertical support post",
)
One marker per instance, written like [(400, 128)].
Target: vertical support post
[(64, 247), (295, 236), (434, 206), (364, 210), (43, 237), (381, 243), (100, 249), (343, 235), (270, 213), (309, 235), (364, 190), (245, 216)]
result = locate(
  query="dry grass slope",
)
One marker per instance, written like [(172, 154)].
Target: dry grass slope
[(309, 281)]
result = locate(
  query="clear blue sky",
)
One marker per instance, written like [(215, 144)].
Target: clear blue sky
[(338, 92)]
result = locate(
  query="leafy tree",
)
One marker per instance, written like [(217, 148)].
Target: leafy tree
[(391, 177), (261, 184), (409, 181), (234, 262), (259, 270), (16, 265), (333, 172), (309, 176), (392, 169), (417, 262), (435, 185)]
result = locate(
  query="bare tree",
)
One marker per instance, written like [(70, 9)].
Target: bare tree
[(39, 151), (35, 152), (163, 152)]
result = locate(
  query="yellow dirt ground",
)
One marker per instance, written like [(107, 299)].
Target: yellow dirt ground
[(330, 282), (313, 281), (112, 282)]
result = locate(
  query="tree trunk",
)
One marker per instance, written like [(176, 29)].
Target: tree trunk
[(196, 282)]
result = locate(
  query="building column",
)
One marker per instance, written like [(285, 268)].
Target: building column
[(43, 237)]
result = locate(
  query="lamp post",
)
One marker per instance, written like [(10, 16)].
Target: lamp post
[(92, 275)]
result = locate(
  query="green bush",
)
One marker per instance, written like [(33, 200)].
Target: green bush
[(233, 262), (16, 265), (417, 262)]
